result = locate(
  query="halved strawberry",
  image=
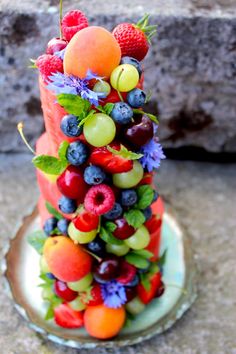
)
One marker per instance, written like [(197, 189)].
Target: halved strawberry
[(96, 296), (127, 273), (146, 296), (86, 221), (65, 317), (109, 162), (113, 97), (147, 178)]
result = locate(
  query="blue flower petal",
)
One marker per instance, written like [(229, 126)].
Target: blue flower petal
[(152, 155), (113, 294)]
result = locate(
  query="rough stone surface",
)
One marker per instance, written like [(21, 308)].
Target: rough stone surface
[(203, 197), (191, 68)]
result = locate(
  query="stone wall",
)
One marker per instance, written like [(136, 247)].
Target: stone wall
[(191, 68)]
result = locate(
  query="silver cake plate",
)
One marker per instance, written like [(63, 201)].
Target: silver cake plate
[(21, 268)]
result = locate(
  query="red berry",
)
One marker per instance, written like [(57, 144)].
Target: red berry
[(71, 183), (62, 290), (113, 97), (107, 269), (146, 296), (48, 64), (86, 221), (67, 318), (123, 229), (73, 22), (131, 292), (153, 224), (127, 273), (160, 290), (55, 45), (99, 199), (110, 163), (96, 296)]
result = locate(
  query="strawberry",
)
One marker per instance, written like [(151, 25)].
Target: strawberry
[(96, 296), (73, 22), (86, 221), (134, 38), (146, 296), (113, 97), (67, 318), (48, 64), (110, 163)]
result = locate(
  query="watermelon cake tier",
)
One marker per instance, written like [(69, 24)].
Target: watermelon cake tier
[(101, 215)]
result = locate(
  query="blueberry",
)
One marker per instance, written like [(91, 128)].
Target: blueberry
[(133, 282), (128, 197), (62, 226), (155, 197), (114, 213), (49, 225), (94, 175), (147, 213), (50, 276), (122, 113), (136, 98), (67, 205), (77, 153), (97, 247), (132, 61), (69, 126)]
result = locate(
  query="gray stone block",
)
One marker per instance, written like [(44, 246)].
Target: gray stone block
[(190, 69)]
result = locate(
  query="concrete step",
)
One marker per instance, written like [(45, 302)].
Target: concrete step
[(190, 69)]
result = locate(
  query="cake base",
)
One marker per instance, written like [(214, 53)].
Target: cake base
[(21, 269)]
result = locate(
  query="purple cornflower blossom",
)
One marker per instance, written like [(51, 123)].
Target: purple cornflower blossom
[(70, 84), (113, 294), (152, 153)]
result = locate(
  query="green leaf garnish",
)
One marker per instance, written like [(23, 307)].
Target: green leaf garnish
[(134, 217), (88, 116), (143, 253), (136, 260), (149, 115), (73, 104), (110, 226), (145, 196), (145, 281), (49, 164), (107, 237), (162, 259), (108, 108), (125, 153), (36, 239), (53, 211), (63, 150)]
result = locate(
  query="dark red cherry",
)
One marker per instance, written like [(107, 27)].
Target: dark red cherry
[(108, 269), (130, 293), (55, 45), (71, 183), (123, 229), (62, 290), (140, 131)]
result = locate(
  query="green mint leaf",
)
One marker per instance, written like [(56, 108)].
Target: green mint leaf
[(73, 104), (134, 217), (49, 164), (162, 259), (145, 196), (49, 314), (144, 253), (63, 150), (145, 281), (82, 121), (110, 226), (46, 279), (149, 115), (36, 239), (153, 269), (53, 211), (125, 153), (108, 108), (101, 109), (136, 260), (107, 237)]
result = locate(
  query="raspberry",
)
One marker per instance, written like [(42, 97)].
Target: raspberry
[(73, 22), (128, 272), (48, 64), (99, 199)]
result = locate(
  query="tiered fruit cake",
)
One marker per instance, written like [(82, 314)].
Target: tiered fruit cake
[(101, 216)]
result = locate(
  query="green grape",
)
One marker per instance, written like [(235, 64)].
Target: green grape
[(77, 304), (118, 250), (47, 293), (129, 179), (124, 78), (43, 265), (99, 130), (82, 284), (79, 236), (102, 87), (139, 240), (135, 306)]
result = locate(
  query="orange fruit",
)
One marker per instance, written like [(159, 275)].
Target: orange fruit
[(67, 261), (93, 48), (102, 322)]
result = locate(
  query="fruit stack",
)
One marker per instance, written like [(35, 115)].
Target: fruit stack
[(101, 216)]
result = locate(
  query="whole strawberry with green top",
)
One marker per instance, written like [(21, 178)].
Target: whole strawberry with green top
[(134, 39)]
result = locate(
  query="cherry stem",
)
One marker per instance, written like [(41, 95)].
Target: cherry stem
[(117, 85), (60, 18), (20, 127)]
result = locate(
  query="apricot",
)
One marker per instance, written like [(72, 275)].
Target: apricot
[(102, 322), (67, 261), (93, 48)]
